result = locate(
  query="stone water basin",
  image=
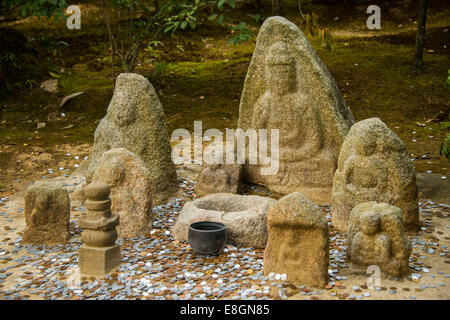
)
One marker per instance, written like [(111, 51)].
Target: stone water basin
[(245, 217)]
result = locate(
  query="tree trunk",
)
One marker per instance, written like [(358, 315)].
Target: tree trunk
[(420, 38), (277, 7), (259, 5)]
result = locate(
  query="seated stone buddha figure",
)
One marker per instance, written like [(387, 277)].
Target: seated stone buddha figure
[(365, 172), (371, 245), (284, 106)]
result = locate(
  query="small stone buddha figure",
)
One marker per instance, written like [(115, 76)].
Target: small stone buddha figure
[(371, 245), (376, 236), (374, 165), (363, 172), (131, 196), (135, 120), (47, 213), (218, 177)]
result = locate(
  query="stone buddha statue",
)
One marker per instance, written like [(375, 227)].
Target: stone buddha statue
[(283, 95), (364, 171), (376, 236), (301, 137), (288, 88), (370, 244)]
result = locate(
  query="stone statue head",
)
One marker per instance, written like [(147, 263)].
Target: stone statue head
[(366, 145), (113, 171), (282, 76), (123, 114), (370, 223)]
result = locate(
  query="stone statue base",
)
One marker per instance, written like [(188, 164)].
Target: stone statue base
[(311, 179), (98, 262)]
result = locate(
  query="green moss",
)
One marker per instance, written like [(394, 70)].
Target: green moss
[(207, 91), (378, 79), (82, 79)]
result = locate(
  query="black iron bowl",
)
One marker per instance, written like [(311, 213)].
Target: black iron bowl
[(207, 237)]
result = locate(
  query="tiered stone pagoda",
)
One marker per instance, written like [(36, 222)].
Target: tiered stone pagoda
[(99, 255)]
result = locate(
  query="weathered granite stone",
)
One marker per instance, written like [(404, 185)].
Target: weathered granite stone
[(130, 186), (374, 166), (298, 241), (47, 213), (218, 178), (376, 236), (135, 121), (244, 216), (288, 88), (99, 254), (77, 197)]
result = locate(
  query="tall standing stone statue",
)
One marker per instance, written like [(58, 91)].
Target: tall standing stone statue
[(376, 237), (374, 166), (288, 88), (47, 213), (135, 121), (298, 241), (130, 186), (99, 254)]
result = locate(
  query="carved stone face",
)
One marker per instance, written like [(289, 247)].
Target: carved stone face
[(113, 173), (123, 115), (366, 145), (370, 223), (282, 76)]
